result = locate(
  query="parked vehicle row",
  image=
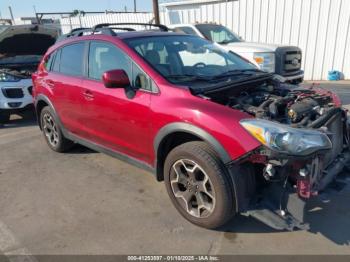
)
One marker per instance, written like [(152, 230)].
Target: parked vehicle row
[(223, 135)]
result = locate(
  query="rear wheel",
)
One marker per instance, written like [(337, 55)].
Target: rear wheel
[(4, 117), (52, 132), (199, 185)]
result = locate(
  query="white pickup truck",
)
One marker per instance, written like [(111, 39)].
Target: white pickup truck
[(279, 59)]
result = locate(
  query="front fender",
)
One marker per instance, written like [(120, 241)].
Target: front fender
[(194, 130)]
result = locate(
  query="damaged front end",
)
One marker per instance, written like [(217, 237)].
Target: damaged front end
[(291, 178), (304, 134)]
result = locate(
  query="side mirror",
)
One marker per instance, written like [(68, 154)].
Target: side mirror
[(116, 78)]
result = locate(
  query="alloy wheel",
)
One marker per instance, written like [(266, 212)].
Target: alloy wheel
[(192, 188), (50, 130)]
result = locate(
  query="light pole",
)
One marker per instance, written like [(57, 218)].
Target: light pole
[(156, 11)]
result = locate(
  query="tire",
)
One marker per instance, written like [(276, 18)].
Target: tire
[(212, 202), (4, 117), (52, 132)]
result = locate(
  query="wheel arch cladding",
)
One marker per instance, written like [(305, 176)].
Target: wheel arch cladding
[(40, 103), (174, 134)]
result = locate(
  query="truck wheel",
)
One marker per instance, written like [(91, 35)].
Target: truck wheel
[(199, 185), (52, 132), (4, 117)]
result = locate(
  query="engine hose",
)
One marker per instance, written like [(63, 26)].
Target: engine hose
[(323, 119), (302, 122), (273, 107), (266, 103)]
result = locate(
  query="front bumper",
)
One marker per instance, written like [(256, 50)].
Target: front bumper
[(282, 208), (281, 204), (18, 100), (295, 78)]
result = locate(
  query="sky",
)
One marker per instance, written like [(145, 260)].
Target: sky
[(25, 7)]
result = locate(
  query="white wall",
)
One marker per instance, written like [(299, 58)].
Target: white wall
[(68, 24), (321, 28)]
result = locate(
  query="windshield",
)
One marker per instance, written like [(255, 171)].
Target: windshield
[(185, 58), (218, 33)]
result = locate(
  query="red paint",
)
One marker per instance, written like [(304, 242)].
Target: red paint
[(106, 116), (304, 188), (115, 79)]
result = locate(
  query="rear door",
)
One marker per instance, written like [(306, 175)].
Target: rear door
[(112, 119), (65, 80)]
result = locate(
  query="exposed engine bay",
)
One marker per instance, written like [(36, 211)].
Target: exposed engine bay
[(287, 104), (23, 71), (283, 181)]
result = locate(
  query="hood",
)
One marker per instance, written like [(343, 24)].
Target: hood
[(26, 40), (248, 47)]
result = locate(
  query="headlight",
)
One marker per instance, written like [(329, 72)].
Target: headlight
[(4, 77), (266, 61), (285, 139)]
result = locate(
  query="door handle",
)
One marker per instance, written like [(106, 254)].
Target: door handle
[(88, 95)]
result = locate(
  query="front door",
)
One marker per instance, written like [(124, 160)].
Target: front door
[(112, 119)]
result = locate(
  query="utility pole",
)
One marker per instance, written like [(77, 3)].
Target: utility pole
[(156, 12), (34, 9), (134, 6), (12, 18)]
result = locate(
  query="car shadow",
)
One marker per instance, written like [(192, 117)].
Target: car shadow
[(80, 149), (332, 219), (24, 119), (329, 219)]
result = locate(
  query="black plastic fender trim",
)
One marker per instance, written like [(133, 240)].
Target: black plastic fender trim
[(194, 130)]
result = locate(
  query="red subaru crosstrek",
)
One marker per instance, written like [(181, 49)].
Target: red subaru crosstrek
[(224, 136)]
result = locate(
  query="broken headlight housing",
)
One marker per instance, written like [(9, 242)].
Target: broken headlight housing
[(285, 139)]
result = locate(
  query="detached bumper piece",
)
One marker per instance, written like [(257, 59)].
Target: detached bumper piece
[(279, 208)]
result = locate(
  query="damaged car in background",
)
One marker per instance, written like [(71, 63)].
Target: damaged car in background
[(21, 49)]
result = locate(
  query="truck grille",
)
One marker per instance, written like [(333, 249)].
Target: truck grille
[(288, 60), (292, 61), (335, 127), (12, 92)]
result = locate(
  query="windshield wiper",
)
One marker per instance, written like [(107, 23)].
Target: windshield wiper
[(191, 77), (238, 72), (227, 41)]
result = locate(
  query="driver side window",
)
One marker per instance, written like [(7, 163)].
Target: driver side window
[(104, 57)]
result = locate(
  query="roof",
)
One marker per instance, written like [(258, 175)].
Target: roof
[(137, 34), (120, 30)]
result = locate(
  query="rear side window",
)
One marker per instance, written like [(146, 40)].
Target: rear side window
[(71, 60)]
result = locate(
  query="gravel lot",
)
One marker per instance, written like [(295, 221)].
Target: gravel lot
[(85, 202)]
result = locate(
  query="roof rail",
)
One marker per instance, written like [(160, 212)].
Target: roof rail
[(99, 26), (107, 29), (78, 29), (76, 32)]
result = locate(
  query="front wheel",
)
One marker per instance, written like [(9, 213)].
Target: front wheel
[(199, 185)]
